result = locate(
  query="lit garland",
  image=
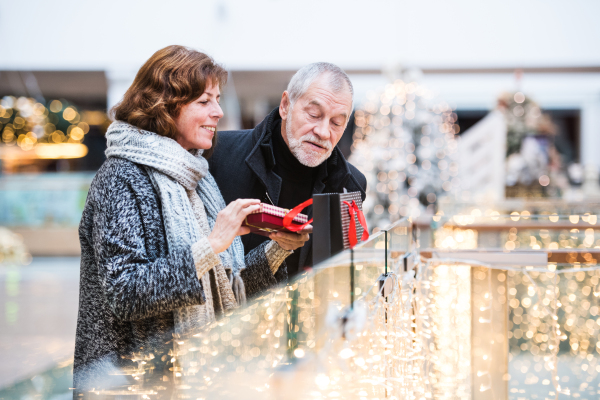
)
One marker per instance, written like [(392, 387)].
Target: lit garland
[(404, 144), (438, 334), (25, 122), (553, 323)]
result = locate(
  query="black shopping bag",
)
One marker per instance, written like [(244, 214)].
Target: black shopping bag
[(338, 224)]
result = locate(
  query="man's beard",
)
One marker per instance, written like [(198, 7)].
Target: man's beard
[(307, 158)]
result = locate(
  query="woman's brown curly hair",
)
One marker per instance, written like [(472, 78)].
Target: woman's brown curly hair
[(170, 79)]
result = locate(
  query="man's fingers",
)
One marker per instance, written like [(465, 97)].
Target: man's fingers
[(291, 238), (307, 229), (296, 237), (285, 243), (243, 230)]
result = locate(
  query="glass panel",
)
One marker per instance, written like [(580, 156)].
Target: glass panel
[(553, 332), (538, 320), (400, 241), (465, 326), (333, 312)]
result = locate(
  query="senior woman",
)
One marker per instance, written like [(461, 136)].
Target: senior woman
[(160, 251)]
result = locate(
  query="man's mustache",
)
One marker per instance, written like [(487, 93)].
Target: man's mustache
[(314, 139)]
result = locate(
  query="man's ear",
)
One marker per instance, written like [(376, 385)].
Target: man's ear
[(284, 105)]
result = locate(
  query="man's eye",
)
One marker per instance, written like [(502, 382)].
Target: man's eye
[(313, 116)]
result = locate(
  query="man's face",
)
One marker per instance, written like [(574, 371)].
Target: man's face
[(315, 124)]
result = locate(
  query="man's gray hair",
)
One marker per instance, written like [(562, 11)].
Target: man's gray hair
[(301, 81)]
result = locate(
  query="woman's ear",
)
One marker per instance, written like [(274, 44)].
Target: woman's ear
[(284, 105)]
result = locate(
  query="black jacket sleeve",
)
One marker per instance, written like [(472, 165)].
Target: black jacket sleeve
[(135, 286)]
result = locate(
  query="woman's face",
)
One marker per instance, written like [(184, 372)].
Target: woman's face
[(197, 121)]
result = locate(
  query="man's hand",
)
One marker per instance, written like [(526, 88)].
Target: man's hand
[(290, 241)]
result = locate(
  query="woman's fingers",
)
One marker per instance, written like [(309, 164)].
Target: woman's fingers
[(249, 209), (229, 221), (242, 207), (244, 203)]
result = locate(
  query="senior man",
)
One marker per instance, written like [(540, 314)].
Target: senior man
[(291, 155)]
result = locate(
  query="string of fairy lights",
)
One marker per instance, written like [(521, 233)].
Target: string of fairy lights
[(25, 122), (439, 332), (553, 311)]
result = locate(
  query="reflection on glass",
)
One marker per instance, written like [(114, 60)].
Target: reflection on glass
[(393, 320)]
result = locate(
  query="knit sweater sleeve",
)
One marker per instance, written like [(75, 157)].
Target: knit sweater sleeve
[(204, 257), (259, 274), (275, 255), (135, 285)]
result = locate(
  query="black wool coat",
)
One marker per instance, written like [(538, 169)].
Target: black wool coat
[(242, 164)]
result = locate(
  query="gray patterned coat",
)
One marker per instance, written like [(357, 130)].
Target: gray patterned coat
[(130, 283)]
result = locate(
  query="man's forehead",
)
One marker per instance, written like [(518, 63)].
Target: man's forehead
[(324, 96)]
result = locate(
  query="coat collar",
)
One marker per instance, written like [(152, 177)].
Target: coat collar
[(261, 160)]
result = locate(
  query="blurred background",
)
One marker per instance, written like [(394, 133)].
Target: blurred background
[(456, 102)]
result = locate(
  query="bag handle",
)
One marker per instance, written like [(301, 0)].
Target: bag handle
[(289, 217), (352, 209)]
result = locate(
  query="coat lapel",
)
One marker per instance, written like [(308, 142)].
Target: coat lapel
[(261, 159)]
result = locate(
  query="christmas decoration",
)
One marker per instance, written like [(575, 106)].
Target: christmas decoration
[(25, 122), (12, 248), (404, 143), (533, 165)]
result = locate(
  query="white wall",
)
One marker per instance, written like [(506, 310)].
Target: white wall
[(118, 36), (283, 34)]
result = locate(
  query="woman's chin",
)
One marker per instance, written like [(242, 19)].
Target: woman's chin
[(203, 145)]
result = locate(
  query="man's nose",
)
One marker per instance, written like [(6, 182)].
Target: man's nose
[(322, 129)]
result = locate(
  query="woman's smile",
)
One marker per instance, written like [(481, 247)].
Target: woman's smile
[(210, 129)]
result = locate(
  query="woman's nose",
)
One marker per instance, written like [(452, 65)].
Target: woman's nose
[(217, 112)]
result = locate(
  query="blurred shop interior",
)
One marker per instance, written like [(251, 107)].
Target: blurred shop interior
[(459, 103)]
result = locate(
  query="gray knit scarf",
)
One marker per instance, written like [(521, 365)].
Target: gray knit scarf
[(173, 170)]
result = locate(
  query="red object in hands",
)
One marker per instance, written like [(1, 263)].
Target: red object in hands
[(352, 209), (291, 216), (269, 219)]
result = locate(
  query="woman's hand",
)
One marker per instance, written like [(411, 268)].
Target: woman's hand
[(290, 241), (229, 223)]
